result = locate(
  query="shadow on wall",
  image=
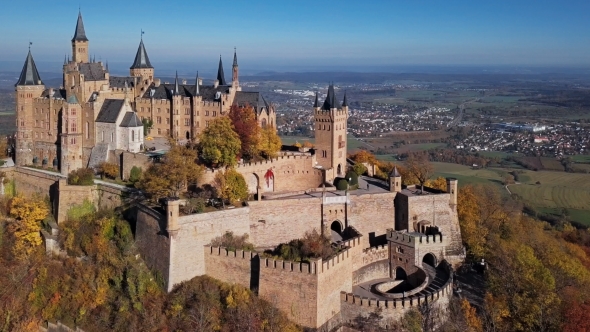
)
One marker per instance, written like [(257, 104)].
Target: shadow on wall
[(375, 241)]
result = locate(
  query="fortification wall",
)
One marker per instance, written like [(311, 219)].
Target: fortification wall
[(354, 306), (291, 172), (69, 195), (30, 181), (371, 263), (230, 266), (127, 160), (372, 215), (107, 197), (335, 276), (194, 232), (277, 221), (292, 288), (153, 241)]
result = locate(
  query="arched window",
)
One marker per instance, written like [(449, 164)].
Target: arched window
[(112, 137), (263, 123), (132, 135)]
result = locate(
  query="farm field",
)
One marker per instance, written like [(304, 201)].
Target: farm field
[(557, 190), (580, 158), (351, 141)]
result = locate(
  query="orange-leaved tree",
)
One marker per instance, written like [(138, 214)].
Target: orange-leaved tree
[(28, 214), (245, 125)]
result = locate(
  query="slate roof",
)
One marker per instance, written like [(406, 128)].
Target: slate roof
[(316, 103), (165, 91), (110, 110), (220, 74), (394, 172), (344, 102), (73, 100), (331, 101), (29, 75), (119, 82), (92, 71), (253, 99), (80, 34), (131, 120), (141, 58), (57, 94), (235, 58)]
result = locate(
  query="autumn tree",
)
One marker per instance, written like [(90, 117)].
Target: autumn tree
[(439, 183), (270, 143), (109, 170), (219, 143), (364, 156), (231, 185), (177, 171), (25, 227), (418, 165), (245, 125)]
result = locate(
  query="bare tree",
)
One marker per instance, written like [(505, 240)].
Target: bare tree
[(419, 166)]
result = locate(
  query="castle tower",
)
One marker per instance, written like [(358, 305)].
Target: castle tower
[(28, 87), (142, 68), (235, 70), (220, 74), (452, 189), (395, 181), (330, 134), (80, 42), (71, 136)]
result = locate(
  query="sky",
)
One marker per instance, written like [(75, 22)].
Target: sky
[(303, 35)]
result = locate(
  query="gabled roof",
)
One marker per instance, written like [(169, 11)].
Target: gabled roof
[(131, 120), (80, 34), (254, 99), (220, 75), (141, 58), (92, 71), (330, 101), (29, 75), (109, 112)]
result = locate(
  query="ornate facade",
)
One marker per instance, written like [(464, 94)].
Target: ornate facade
[(75, 125)]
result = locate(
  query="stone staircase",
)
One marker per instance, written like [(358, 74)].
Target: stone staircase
[(438, 277), (99, 154)]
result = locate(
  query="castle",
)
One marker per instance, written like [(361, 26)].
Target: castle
[(397, 244), (92, 113)]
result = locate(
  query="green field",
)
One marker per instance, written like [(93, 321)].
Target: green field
[(351, 141), (580, 158), (557, 190)]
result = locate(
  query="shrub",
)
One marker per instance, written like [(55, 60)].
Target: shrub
[(354, 178), (231, 186), (79, 211), (359, 168), (81, 177), (135, 174), (341, 184), (297, 144), (109, 170), (232, 242), (312, 245)]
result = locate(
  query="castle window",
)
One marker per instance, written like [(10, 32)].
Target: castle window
[(159, 110), (206, 113), (167, 120), (141, 110), (187, 111), (87, 130), (74, 111), (198, 125), (197, 113), (36, 123), (187, 122), (168, 132), (263, 123), (102, 136), (207, 124), (214, 113), (74, 127), (112, 137), (159, 120), (159, 131), (133, 136), (328, 127)]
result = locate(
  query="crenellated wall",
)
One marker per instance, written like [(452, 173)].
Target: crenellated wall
[(235, 267)]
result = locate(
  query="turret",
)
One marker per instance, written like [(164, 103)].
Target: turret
[(80, 42), (172, 212), (142, 68), (235, 70), (220, 75), (452, 190), (395, 180), (28, 87)]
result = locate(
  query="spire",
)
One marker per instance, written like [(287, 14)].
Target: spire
[(197, 84), (176, 84), (141, 58), (394, 172), (344, 102), (220, 75), (235, 58), (65, 59), (80, 34), (330, 101), (29, 75), (316, 104)]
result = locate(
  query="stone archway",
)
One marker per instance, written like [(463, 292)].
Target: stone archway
[(336, 229), (252, 183), (339, 169), (400, 274), (429, 259), (188, 135)]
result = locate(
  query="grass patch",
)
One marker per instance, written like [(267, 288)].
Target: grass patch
[(580, 158)]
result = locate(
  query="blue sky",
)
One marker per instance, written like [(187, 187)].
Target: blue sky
[(303, 34)]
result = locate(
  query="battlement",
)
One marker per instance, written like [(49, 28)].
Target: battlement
[(413, 238), (315, 266), (238, 253), (282, 157)]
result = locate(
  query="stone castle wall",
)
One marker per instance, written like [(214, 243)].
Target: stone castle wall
[(153, 242)]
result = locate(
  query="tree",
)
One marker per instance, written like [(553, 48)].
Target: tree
[(109, 170), (81, 177), (359, 168), (270, 143), (231, 185), (219, 143), (364, 156), (439, 183), (177, 171), (419, 165), (147, 126), (28, 214), (245, 125), (135, 174)]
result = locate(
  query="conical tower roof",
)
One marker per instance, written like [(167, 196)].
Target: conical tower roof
[(141, 58), (197, 84), (235, 58), (220, 75), (344, 102), (331, 101), (80, 34), (394, 172), (29, 75), (317, 102), (176, 89)]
